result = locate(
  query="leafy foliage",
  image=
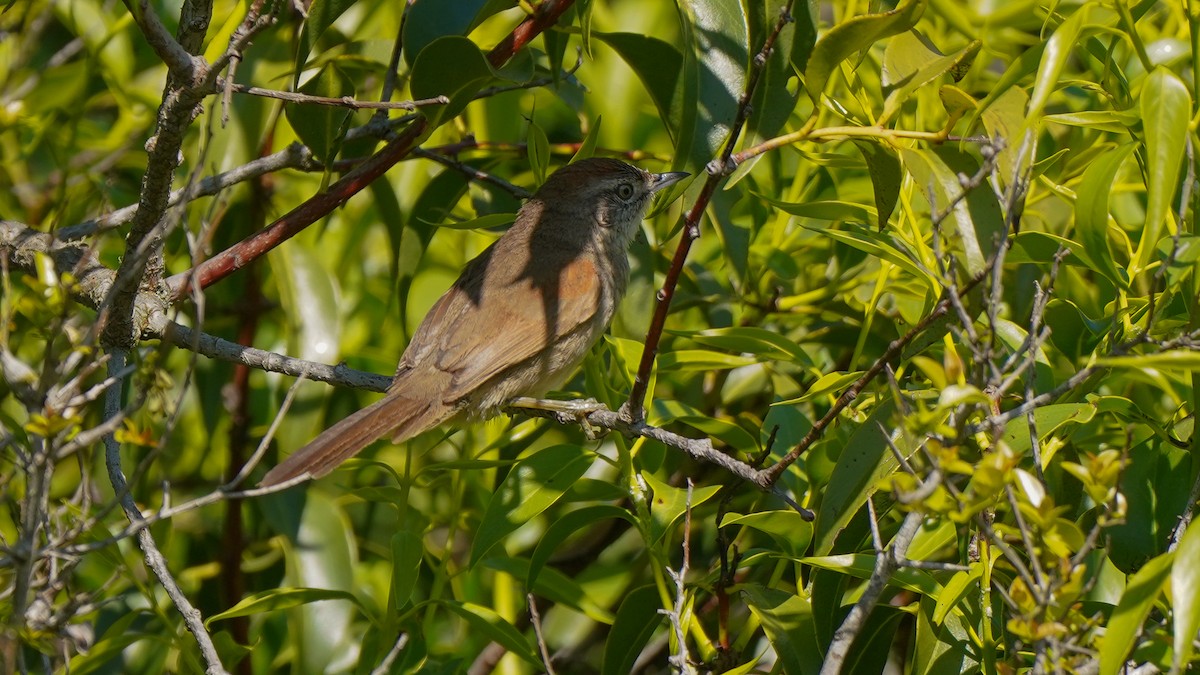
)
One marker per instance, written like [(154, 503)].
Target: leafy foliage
[(946, 287)]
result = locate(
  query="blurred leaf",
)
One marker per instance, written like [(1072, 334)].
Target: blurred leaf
[(636, 620), (407, 549), (321, 15), (829, 384), (537, 149), (1185, 591), (428, 20), (852, 35), (493, 626), (826, 210), (554, 586), (805, 13), (1049, 419), (700, 359), (659, 66), (566, 525), (1166, 109), (449, 66), (1170, 359), (279, 598), (534, 485), (787, 620), (715, 57), (320, 126), (749, 340), (588, 147)]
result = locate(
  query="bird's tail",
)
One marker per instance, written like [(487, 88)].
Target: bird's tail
[(394, 414)]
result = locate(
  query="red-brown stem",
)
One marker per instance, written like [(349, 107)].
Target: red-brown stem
[(717, 170), (545, 16), (256, 245)]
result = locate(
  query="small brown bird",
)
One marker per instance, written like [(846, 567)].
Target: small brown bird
[(518, 321)]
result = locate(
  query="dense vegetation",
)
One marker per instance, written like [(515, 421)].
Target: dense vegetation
[(933, 279)]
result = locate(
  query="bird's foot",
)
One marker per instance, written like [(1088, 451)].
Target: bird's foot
[(575, 411)]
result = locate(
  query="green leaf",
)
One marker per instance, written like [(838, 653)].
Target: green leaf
[(1185, 591), (910, 62), (862, 566), (805, 13), (588, 147), (1089, 18), (428, 20), (670, 503), (977, 219), (566, 525), (449, 66), (636, 620), (320, 126), (321, 15), (864, 459), (825, 210), (715, 37), (1125, 625), (875, 244), (1171, 359), (852, 35), (659, 66), (787, 619), (690, 360), (407, 550), (493, 626), (277, 599), (537, 148), (883, 166), (1048, 419), (959, 586), (1166, 109), (491, 220), (554, 586), (723, 430), (749, 340), (1091, 211), (787, 527), (534, 485), (828, 384)]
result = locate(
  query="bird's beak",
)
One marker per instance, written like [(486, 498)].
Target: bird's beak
[(659, 181)]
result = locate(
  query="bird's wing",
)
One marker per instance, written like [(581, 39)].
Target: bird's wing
[(474, 332)]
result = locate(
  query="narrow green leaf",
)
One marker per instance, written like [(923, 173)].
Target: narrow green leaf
[(1185, 591), (494, 627), (1166, 108), (1172, 359), (689, 360), (825, 210), (862, 566), (659, 66), (554, 586), (537, 148), (407, 549), (716, 54), (1091, 211), (1088, 18), (533, 485), (277, 599), (321, 15), (853, 35), (1125, 625), (787, 619), (788, 528), (864, 459), (319, 126), (588, 147), (910, 62), (883, 166), (749, 340), (566, 525), (723, 430), (959, 586), (828, 384), (805, 14), (636, 620), (481, 223)]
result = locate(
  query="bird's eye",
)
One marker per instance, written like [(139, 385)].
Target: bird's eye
[(625, 191)]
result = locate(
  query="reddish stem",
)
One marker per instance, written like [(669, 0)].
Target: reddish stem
[(545, 16)]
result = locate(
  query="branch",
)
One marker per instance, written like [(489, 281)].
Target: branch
[(258, 244), (717, 170), (544, 16), (339, 101)]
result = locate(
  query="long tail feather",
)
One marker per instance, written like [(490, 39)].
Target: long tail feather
[(394, 414)]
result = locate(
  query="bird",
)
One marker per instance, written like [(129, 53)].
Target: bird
[(517, 322)]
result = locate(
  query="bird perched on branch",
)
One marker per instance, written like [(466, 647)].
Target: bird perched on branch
[(519, 319)]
